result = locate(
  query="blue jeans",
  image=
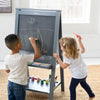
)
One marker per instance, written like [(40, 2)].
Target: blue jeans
[(16, 91), (73, 85)]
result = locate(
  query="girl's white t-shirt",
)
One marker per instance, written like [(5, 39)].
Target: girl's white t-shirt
[(17, 64), (77, 67)]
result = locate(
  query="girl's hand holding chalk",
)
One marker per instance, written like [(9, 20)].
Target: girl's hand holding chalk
[(78, 36)]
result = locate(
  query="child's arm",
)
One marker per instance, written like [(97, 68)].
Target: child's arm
[(6, 67), (37, 51), (80, 42), (81, 45), (7, 71), (63, 65)]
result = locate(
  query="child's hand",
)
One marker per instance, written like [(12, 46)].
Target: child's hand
[(32, 39), (7, 71), (78, 36), (56, 55)]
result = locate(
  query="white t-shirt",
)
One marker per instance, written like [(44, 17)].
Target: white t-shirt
[(17, 64), (77, 67)]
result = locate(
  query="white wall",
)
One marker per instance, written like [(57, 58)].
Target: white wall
[(7, 25), (7, 22), (90, 32)]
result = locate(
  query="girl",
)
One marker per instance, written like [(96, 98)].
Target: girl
[(73, 60)]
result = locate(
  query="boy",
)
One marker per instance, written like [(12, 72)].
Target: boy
[(16, 64)]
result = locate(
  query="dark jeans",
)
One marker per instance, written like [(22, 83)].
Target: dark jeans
[(73, 85), (16, 91)]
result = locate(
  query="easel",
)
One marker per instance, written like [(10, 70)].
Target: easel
[(33, 86)]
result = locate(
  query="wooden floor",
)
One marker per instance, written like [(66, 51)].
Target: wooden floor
[(93, 80)]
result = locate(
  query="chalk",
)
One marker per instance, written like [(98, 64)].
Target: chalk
[(50, 76), (42, 82), (47, 81), (38, 79), (36, 64), (30, 63), (29, 38), (32, 78), (56, 77), (78, 36), (35, 39)]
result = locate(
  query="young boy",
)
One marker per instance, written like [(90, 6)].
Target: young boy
[(16, 64)]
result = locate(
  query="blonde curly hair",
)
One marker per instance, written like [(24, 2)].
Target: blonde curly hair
[(70, 47)]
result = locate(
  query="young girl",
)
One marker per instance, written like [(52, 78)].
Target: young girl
[(73, 60)]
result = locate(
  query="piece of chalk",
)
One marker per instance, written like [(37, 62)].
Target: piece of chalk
[(38, 79), (56, 77), (47, 81), (36, 39), (42, 82), (78, 36), (32, 78), (30, 63), (50, 76)]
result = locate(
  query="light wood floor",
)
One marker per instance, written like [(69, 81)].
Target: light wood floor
[(93, 80)]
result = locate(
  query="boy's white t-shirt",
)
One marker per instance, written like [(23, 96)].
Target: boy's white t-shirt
[(77, 67), (17, 64)]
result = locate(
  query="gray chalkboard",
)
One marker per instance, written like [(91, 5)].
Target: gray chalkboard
[(40, 27), (39, 24)]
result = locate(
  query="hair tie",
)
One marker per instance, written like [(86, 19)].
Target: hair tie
[(64, 44)]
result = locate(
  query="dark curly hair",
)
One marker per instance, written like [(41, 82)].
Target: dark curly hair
[(11, 41)]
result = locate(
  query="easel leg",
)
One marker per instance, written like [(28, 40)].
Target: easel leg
[(62, 78), (51, 96), (27, 72), (52, 84)]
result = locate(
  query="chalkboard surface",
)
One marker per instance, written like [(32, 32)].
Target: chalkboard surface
[(41, 24), (40, 27)]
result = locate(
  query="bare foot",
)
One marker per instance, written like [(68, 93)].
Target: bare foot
[(91, 98)]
